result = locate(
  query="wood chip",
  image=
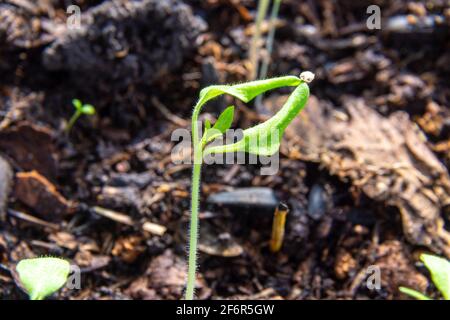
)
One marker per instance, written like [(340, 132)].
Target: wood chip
[(31, 147), (34, 190), (150, 227), (154, 228)]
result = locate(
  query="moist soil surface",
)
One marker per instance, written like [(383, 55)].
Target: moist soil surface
[(108, 196)]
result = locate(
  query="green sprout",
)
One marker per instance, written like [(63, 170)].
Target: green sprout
[(440, 274), (263, 139), (41, 277), (80, 109)]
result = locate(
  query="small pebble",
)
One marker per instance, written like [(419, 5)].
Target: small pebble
[(317, 202), (248, 197)]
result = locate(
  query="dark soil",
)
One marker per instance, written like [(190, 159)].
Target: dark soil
[(108, 197)]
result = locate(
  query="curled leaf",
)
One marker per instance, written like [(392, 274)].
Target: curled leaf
[(265, 138), (245, 91)]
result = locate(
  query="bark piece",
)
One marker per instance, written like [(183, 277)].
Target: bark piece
[(41, 195), (31, 147)]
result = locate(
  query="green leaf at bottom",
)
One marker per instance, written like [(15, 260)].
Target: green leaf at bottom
[(414, 293), (41, 277), (440, 272)]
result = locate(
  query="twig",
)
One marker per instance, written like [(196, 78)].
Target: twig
[(169, 115), (148, 226), (29, 218)]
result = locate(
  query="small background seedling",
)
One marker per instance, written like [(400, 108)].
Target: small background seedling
[(440, 274), (80, 109), (41, 277)]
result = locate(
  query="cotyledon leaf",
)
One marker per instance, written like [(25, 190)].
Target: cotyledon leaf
[(41, 277), (88, 109), (413, 293), (440, 272), (265, 138), (245, 91), (77, 104)]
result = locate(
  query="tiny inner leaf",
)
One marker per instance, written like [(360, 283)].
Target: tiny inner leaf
[(220, 127), (207, 125), (225, 120)]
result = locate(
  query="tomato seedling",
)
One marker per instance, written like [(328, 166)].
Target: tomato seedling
[(263, 139)]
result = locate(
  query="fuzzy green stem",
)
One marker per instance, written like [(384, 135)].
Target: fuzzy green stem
[(72, 120), (193, 232), (195, 190)]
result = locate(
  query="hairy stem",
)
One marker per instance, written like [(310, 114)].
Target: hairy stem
[(72, 120), (195, 190), (193, 233)]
